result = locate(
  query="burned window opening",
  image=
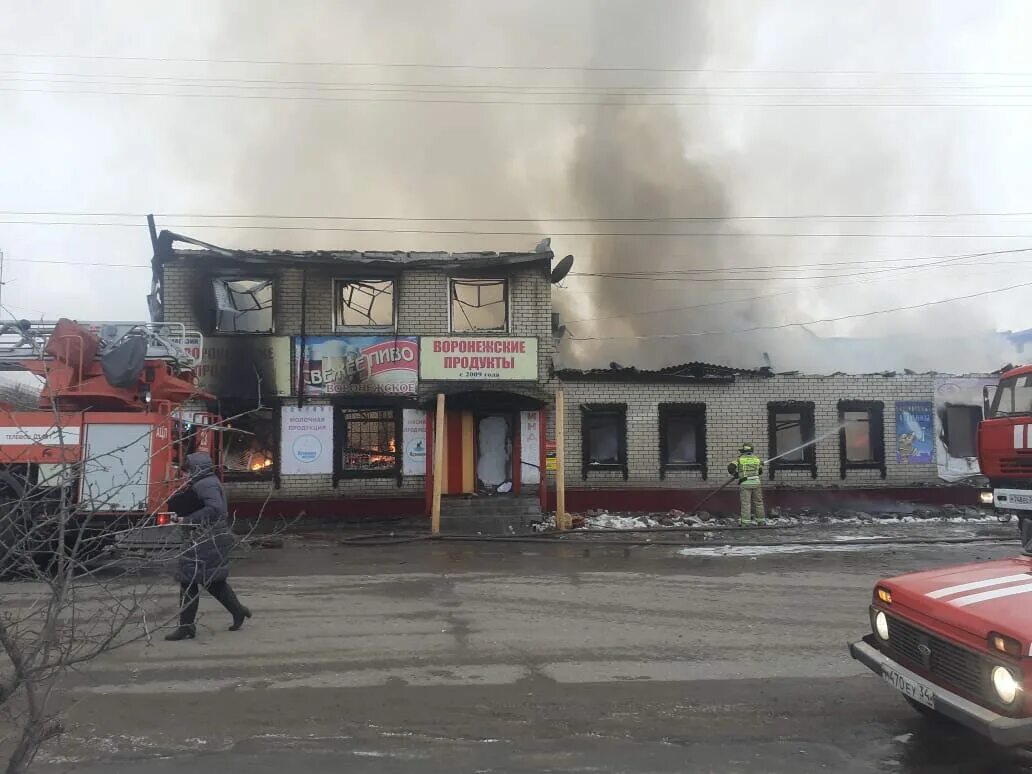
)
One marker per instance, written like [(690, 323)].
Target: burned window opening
[(364, 304), (604, 437), (960, 430), (682, 438), (861, 436), (249, 442), (367, 442), (790, 436), (479, 305), (243, 305)]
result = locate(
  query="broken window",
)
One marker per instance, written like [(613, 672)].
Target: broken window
[(479, 305), (364, 304), (790, 428), (604, 437), (368, 441), (861, 436), (960, 430), (682, 437), (249, 441), (243, 305)]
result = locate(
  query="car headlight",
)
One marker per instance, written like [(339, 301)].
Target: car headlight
[(881, 625), (986, 498), (1005, 684)]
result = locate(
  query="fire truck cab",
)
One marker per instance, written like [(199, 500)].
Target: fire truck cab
[(105, 446), (1005, 443)]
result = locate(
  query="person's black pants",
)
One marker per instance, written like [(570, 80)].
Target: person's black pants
[(190, 598)]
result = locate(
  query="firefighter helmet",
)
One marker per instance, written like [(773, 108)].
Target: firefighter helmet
[(745, 448)]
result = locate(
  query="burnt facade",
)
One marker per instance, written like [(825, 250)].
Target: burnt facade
[(325, 364)]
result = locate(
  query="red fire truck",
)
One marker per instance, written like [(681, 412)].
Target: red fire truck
[(1005, 443), (104, 445), (957, 641)]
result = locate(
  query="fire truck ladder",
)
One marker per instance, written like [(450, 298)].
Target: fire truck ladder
[(23, 340)]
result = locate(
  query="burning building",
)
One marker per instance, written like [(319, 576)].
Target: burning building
[(326, 364)]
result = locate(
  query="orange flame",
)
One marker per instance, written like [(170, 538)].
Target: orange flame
[(259, 461)]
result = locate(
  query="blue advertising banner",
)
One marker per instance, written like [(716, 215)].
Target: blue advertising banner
[(343, 365), (915, 437)]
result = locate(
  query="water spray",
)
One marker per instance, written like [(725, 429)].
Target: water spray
[(727, 483), (794, 449)]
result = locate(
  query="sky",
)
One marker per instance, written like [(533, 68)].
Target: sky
[(771, 120)]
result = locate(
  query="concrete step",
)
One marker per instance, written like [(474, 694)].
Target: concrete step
[(490, 515), (498, 506), (487, 525)]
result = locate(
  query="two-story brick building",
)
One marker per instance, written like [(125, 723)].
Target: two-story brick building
[(326, 365)]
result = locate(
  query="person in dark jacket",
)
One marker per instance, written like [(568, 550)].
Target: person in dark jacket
[(202, 510)]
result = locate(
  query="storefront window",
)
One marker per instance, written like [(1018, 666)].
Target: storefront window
[(249, 441), (368, 441), (604, 437), (682, 437), (791, 432), (861, 437)]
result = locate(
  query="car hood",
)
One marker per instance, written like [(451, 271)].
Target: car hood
[(977, 598)]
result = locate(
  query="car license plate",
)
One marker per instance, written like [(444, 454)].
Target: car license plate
[(915, 689)]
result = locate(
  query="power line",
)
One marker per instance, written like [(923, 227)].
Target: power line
[(963, 91), (755, 328), (230, 82), (934, 262), (730, 301), (532, 102), (536, 67), (591, 234), (542, 219), (80, 263)]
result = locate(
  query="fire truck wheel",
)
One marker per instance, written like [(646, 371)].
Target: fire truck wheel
[(14, 521)]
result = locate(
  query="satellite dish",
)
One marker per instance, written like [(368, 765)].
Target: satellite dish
[(562, 269)]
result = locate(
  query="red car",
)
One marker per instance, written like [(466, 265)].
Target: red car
[(957, 642)]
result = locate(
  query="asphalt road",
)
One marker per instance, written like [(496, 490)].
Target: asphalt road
[(474, 657)]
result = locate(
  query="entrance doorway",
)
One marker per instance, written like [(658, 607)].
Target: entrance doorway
[(479, 450), (494, 454)]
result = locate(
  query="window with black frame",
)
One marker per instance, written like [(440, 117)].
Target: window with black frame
[(682, 437), (367, 442), (604, 437), (861, 436), (248, 441), (791, 433)]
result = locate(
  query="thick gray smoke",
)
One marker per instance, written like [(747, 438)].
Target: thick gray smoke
[(462, 160)]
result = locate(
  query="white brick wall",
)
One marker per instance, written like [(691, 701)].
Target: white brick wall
[(737, 413)]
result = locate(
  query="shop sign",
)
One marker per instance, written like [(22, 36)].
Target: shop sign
[(307, 440), (358, 365), (480, 358), (413, 443), (241, 366)]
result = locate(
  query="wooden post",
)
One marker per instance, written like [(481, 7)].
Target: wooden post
[(560, 461), (435, 513)]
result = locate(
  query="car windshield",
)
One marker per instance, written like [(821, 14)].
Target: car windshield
[(1013, 397)]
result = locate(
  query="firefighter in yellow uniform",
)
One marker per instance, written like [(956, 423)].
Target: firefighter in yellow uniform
[(748, 468)]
